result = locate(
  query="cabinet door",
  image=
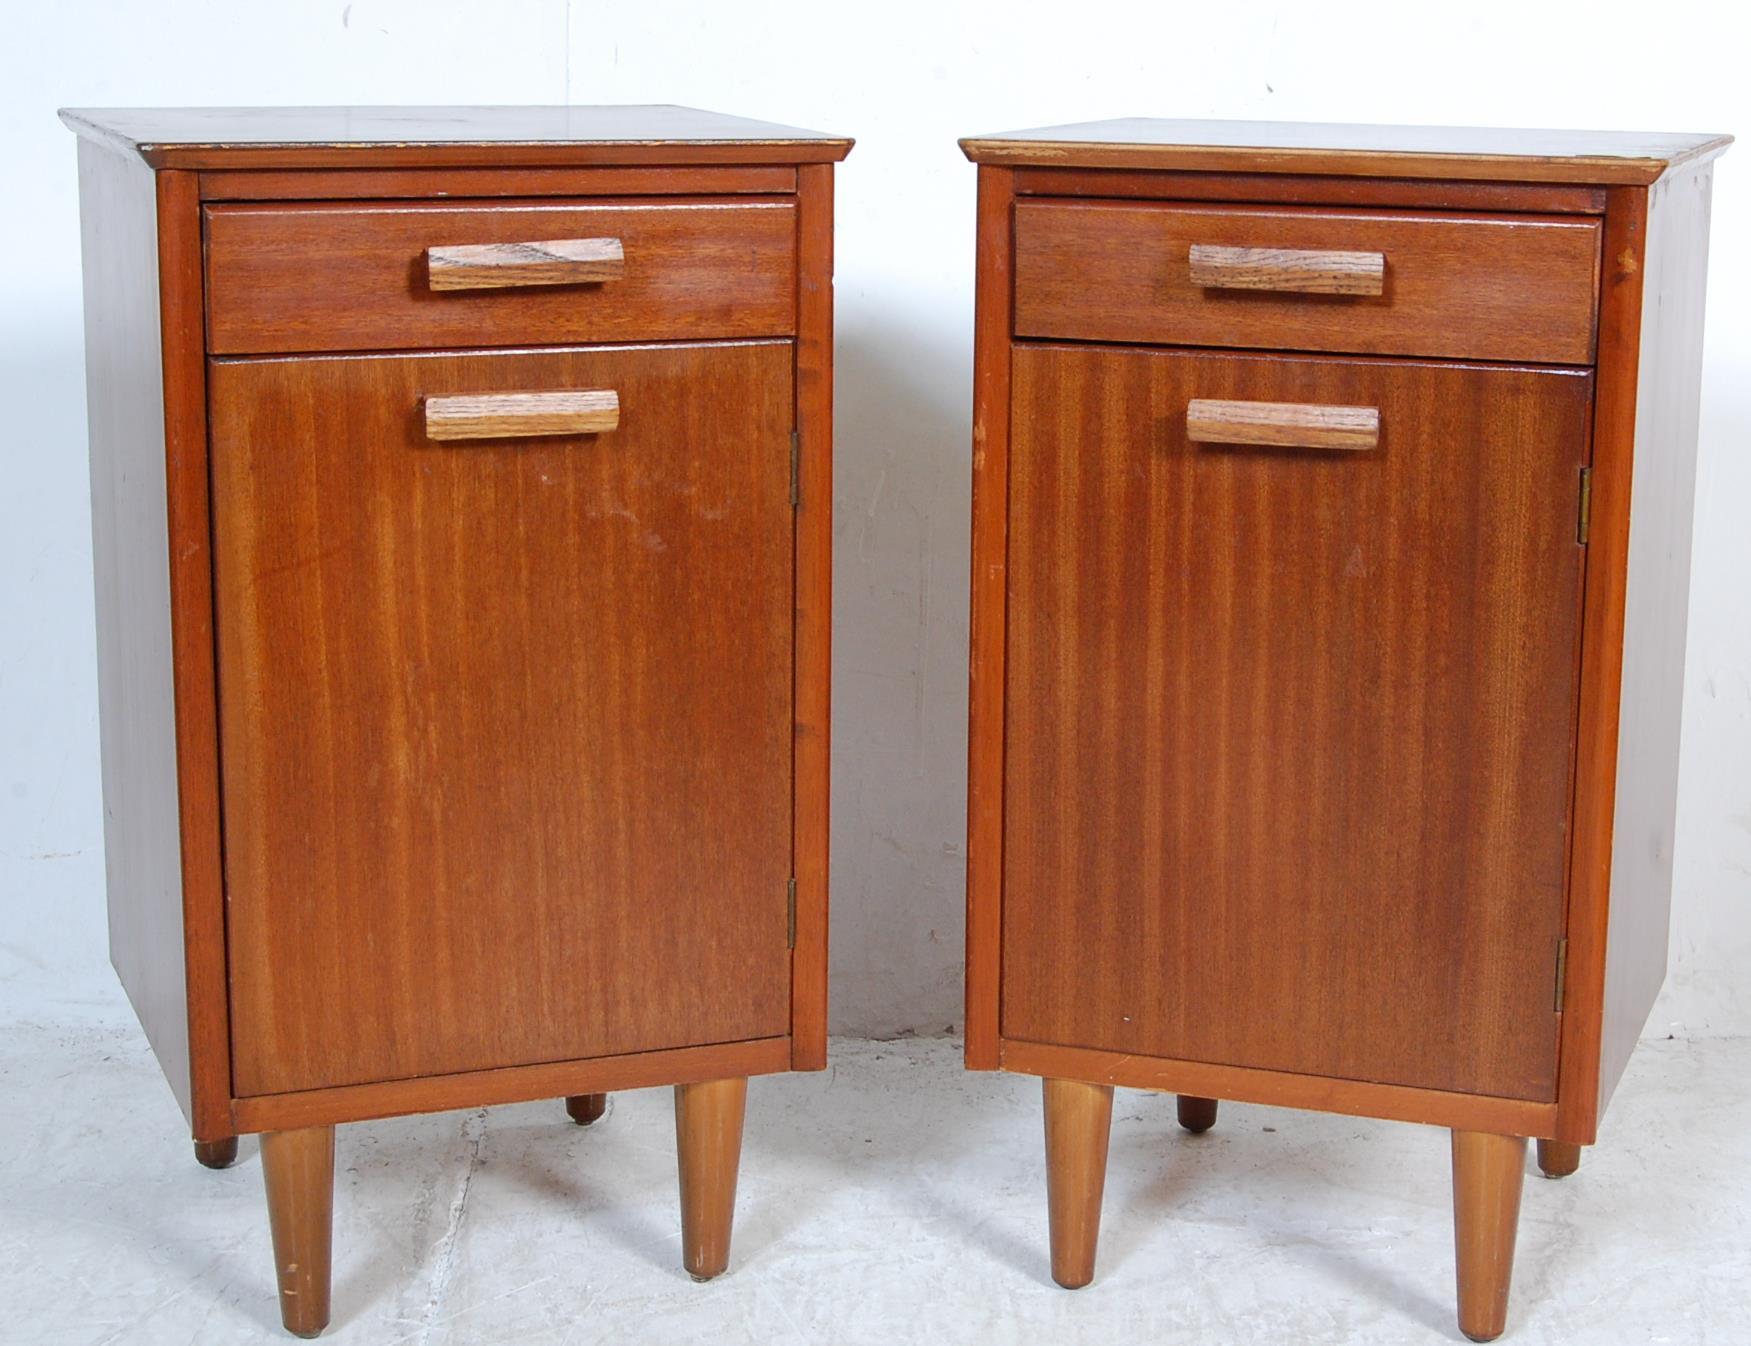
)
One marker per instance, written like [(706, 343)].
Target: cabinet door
[(505, 724), (1289, 730)]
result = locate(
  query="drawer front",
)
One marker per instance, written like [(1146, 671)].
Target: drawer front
[(359, 277), (1290, 714), (493, 792), (1483, 287)]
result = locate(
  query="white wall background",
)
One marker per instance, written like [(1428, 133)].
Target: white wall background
[(906, 78)]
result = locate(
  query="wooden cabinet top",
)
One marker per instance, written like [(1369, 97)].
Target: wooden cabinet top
[(1599, 157), (384, 137)]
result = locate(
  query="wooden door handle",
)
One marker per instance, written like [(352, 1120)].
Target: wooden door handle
[(495, 266), (522, 415), (1302, 271), (1290, 425)]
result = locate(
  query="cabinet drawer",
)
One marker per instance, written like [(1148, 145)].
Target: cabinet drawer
[(360, 277), (1485, 287)]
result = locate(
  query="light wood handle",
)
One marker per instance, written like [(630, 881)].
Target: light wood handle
[(522, 415), (1287, 425), (1296, 270), (495, 266)]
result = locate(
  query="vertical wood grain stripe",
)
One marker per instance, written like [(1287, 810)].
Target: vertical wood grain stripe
[(1282, 424), (514, 415), (196, 675), (1298, 270), (1595, 789), (812, 675), (560, 261), (991, 373)]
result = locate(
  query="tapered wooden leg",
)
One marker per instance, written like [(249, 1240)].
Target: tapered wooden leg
[(298, 1167), (1487, 1173), (708, 1143), (586, 1108), (1557, 1158), (1079, 1120), (216, 1153), (1197, 1115)]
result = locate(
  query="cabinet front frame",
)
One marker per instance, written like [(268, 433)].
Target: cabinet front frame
[(215, 1111), (1573, 1117)]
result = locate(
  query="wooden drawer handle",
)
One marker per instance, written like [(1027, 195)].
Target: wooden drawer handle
[(521, 415), (494, 266), (1303, 272), (1289, 425)]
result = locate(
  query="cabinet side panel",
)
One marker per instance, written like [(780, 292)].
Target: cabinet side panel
[(1656, 607), (131, 567)]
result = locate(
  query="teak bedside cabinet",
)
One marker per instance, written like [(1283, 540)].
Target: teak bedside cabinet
[(1332, 507), (461, 493)]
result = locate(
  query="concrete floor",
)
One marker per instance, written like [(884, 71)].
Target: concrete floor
[(893, 1199)]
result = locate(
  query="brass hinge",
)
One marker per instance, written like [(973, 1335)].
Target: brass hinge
[(1562, 970), (796, 467), (1586, 505), (790, 916)]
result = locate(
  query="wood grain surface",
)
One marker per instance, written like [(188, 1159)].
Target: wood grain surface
[(1280, 1089), (130, 546), (987, 643), (1638, 584), (151, 565), (510, 1084), (1289, 732), (1656, 612), (1308, 189), (1507, 287), (1488, 1174), (1558, 1159), (390, 184), (587, 411), (1079, 1120), (483, 806), (502, 266), (1282, 425), (811, 816), (392, 137), (216, 1153), (708, 1150), (1296, 270), (297, 1170), (1456, 152), (319, 277)]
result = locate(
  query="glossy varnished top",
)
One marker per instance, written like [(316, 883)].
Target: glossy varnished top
[(380, 137), (1599, 157)]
